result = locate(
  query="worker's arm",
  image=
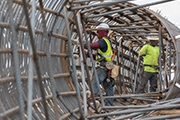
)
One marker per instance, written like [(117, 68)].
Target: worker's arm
[(101, 44), (142, 52), (94, 45)]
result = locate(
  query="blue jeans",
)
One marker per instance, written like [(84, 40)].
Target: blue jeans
[(153, 82), (102, 75)]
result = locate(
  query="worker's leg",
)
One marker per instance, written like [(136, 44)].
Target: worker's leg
[(102, 75), (109, 92), (143, 82), (153, 82)]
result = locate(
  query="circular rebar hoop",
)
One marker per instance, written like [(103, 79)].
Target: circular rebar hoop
[(39, 64)]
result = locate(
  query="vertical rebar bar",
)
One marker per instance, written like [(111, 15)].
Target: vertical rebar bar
[(120, 78), (122, 60), (35, 58), (135, 78), (165, 67), (170, 49), (15, 57), (77, 20), (73, 63), (93, 66), (130, 61), (49, 63), (30, 77), (160, 41), (118, 63), (83, 80)]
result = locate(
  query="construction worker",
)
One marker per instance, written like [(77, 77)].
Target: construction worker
[(105, 53), (150, 53)]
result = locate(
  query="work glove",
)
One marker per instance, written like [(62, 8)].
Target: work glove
[(143, 55), (86, 51)]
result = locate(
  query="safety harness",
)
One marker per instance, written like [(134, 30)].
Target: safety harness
[(153, 66), (102, 61)]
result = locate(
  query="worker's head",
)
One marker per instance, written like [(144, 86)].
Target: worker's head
[(153, 40), (102, 30)]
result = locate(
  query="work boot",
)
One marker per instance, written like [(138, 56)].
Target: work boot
[(108, 81), (88, 94), (96, 102)]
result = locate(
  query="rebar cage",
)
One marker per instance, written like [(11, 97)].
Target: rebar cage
[(45, 74)]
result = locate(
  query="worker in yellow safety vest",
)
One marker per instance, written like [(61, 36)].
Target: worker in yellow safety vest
[(150, 53), (105, 53)]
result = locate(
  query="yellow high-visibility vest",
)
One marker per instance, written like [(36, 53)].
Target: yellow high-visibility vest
[(151, 58), (108, 53)]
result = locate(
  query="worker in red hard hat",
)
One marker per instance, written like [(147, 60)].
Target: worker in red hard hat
[(105, 52), (150, 53)]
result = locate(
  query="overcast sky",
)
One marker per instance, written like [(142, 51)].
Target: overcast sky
[(169, 10)]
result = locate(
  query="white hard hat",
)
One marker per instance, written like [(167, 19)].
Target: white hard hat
[(177, 36), (103, 26), (153, 38)]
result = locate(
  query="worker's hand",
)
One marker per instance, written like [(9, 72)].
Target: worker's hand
[(86, 51), (142, 53), (85, 46), (93, 33)]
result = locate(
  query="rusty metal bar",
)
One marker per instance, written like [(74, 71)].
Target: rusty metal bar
[(93, 66), (135, 95), (44, 9), (49, 62), (35, 56), (170, 50), (15, 109), (67, 107), (131, 74), (118, 62), (73, 64), (82, 1), (131, 8), (128, 116), (100, 4), (162, 117), (25, 78), (135, 78), (84, 82), (77, 19), (160, 50), (136, 110), (40, 53)]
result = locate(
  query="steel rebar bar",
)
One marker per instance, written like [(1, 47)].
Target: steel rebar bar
[(131, 8)]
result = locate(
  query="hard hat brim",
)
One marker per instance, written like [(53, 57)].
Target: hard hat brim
[(153, 39), (103, 26)]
